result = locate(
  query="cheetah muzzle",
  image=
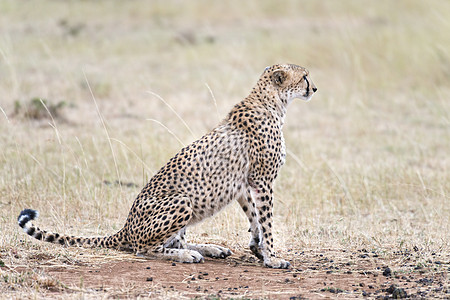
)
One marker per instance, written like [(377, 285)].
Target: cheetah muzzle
[(238, 160)]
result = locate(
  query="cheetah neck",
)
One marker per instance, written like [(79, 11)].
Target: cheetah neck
[(270, 100)]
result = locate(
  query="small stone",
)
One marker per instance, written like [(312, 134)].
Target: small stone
[(387, 272), (399, 294), (391, 289), (174, 264)]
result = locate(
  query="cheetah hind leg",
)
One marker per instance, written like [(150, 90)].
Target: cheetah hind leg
[(209, 250), (151, 243)]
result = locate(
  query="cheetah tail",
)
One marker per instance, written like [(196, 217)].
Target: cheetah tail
[(114, 241)]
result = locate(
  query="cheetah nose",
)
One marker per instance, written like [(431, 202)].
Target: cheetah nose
[(314, 89)]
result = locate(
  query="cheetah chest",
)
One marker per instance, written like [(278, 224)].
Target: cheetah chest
[(282, 150)]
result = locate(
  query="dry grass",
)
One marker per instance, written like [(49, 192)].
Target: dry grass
[(368, 164)]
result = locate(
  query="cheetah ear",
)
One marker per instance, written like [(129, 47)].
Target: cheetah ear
[(279, 77)]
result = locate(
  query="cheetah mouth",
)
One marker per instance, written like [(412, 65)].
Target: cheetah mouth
[(307, 96)]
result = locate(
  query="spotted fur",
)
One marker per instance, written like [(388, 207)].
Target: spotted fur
[(238, 160)]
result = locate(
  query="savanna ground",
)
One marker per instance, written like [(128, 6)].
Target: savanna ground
[(362, 204)]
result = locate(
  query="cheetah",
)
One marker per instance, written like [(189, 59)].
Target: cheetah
[(238, 160)]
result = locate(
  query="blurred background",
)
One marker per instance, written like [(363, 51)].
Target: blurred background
[(95, 96)]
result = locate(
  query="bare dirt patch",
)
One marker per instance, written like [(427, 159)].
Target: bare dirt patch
[(313, 274)]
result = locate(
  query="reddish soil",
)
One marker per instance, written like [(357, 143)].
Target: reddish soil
[(314, 274)]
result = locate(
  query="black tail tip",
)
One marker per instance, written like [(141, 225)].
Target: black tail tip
[(27, 215)]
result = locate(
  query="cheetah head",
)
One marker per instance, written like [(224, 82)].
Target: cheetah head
[(290, 81)]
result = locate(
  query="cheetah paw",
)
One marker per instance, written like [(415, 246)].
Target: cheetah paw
[(189, 256), (256, 251), (210, 250), (276, 263)]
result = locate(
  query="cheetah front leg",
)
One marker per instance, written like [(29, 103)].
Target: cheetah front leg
[(248, 206), (262, 195), (178, 241)]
